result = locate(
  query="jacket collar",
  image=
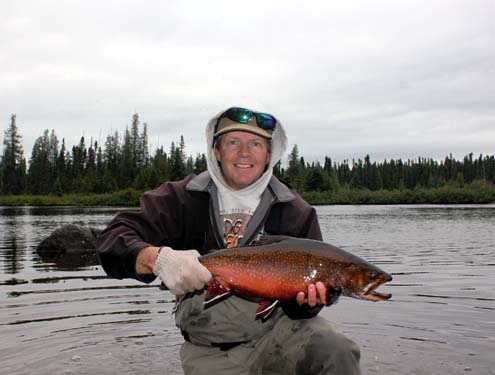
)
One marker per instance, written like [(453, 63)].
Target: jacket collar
[(204, 183), (280, 191), (201, 182)]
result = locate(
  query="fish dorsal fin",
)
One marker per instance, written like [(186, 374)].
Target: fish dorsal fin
[(267, 240)]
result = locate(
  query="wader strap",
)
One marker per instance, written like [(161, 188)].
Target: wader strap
[(185, 335), (223, 346)]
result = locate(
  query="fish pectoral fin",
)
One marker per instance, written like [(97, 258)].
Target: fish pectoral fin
[(216, 290), (266, 308)]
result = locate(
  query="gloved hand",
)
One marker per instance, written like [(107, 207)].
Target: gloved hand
[(180, 270)]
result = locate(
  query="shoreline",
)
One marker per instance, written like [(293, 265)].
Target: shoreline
[(478, 192)]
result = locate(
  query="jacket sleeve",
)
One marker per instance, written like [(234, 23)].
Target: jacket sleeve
[(310, 228), (295, 218), (119, 244)]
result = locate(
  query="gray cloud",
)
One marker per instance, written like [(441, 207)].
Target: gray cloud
[(389, 79)]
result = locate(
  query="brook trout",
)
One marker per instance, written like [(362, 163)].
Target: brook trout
[(276, 268)]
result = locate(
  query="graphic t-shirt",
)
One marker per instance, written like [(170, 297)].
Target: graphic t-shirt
[(234, 228)]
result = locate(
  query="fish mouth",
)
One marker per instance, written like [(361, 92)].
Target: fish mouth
[(370, 294)]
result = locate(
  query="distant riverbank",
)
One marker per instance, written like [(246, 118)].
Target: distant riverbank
[(122, 198), (477, 192)]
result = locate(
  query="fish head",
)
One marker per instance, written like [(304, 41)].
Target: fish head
[(362, 281)]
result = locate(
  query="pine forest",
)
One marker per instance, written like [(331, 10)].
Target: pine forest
[(125, 163)]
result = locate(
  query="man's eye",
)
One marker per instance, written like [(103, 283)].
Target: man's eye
[(255, 144)]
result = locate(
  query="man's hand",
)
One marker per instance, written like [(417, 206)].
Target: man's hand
[(317, 295), (180, 270)]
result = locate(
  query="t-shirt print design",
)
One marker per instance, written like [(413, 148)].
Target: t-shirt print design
[(234, 228)]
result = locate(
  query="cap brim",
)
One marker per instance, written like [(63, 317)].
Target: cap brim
[(244, 128)]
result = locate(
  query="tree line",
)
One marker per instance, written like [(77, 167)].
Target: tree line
[(125, 160), (388, 175)]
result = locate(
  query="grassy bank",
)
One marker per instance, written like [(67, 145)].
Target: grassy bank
[(476, 192), (128, 197)]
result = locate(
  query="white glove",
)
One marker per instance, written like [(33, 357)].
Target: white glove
[(180, 270)]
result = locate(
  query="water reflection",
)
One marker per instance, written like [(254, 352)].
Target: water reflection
[(10, 253), (68, 261)]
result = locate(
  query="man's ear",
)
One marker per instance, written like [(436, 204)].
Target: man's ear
[(217, 154)]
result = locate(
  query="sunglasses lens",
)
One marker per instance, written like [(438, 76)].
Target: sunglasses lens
[(240, 115), (243, 116), (266, 121)]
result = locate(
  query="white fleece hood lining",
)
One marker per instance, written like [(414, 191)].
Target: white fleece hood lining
[(245, 200)]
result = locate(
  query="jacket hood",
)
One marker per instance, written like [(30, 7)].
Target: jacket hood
[(278, 146)]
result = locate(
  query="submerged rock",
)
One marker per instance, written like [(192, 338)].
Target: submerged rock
[(70, 247), (70, 238)]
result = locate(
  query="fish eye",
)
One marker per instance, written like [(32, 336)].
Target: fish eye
[(373, 274)]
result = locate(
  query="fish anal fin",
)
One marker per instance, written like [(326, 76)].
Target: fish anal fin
[(216, 290), (266, 308)]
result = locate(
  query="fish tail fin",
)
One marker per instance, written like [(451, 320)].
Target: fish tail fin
[(266, 308), (216, 290)]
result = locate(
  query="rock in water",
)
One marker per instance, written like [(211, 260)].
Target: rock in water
[(69, 238), (70, 247)]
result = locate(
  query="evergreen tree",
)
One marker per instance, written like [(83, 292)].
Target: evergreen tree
[(134, 140), (127, 168), (13, 166), (200, 164), (277, 170), (143, 143), (177, 162), (344, 173), (112, 155), (91, 161), (189, 168), (135, 155), (160, 163), (79, 158), (294, 172), (40, 172), (99, 157), (333, 183), (182, 147), (376, 182), (61, 178), (316, 178), (357, 175)]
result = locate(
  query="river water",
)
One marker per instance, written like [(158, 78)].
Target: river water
[(61, 317)]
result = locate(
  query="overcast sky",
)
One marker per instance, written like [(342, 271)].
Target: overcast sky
[(392, 79)]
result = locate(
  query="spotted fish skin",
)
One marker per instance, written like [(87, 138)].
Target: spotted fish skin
[(278, 267)]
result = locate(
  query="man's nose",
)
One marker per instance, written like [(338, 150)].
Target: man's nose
[(244, 150)]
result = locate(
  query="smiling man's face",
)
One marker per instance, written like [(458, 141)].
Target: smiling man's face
[(243, 157)]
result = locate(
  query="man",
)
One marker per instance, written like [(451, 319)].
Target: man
[(229, 205)]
